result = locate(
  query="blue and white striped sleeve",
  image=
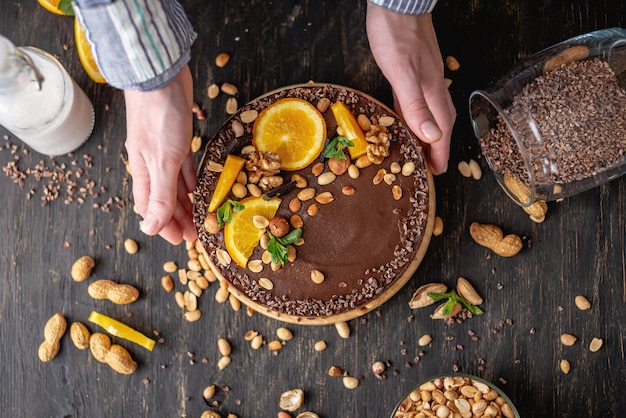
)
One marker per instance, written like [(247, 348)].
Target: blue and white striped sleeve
[(409, 7), (137, 44)]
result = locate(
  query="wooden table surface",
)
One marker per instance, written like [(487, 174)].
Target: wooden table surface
[(580, 249)]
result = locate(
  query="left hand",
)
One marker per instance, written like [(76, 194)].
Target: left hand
[(159, 132)]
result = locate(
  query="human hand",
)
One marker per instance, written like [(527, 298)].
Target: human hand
[(406, 50), (158, 142)]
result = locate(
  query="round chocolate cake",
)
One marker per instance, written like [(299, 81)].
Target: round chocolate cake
[(357, 237)]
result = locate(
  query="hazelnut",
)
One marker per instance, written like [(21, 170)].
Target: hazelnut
[(211, 224), (279, 226), (338, 166)]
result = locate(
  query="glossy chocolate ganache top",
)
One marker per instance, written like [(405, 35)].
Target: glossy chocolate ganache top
[(366, 244)]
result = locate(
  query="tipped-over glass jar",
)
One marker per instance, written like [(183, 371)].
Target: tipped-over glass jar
[(555, 125)]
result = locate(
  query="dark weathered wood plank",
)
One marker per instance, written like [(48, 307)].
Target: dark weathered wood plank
[(579, 249)]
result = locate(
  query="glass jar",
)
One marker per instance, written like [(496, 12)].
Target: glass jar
[(40, 103), (555, 125)]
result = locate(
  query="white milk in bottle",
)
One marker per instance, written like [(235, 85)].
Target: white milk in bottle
[(39, 101)]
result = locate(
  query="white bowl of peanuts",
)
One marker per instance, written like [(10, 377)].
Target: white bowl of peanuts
[(455, 395)]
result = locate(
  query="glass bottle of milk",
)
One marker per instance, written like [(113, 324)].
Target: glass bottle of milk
[(39, 101)]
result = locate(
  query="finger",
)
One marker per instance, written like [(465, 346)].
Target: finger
[(162, 200), (188, 173)]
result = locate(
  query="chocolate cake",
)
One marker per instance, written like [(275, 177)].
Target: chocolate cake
[(367, 241)]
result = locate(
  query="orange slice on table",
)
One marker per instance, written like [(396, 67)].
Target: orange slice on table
[(84, 53), (59, 7), (292, 128), (241, 236)]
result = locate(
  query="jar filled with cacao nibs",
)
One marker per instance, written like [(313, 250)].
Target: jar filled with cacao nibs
[(555, 125)]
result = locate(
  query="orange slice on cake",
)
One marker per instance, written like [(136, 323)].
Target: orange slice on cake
[(241, 236), (292, 128)]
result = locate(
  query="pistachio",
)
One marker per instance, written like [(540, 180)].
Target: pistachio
[(438, 314), (421, 299), (467, 291)]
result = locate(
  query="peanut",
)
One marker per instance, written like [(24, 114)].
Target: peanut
[(490, 236), (120, 294), (81, 269), (80, 335), (52, 333), (114, 355)]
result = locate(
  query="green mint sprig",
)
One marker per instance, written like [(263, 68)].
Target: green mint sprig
[(452, 299), (277, 246), (335, 148), (225, 212)]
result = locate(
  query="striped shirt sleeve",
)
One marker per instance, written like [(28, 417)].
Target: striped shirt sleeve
[(412, 7), (137, 44)]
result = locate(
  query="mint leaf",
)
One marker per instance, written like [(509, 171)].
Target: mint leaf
[(225, 212), (335, 148), (66, 7), (277, 246)]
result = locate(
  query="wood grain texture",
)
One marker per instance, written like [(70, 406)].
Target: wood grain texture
[(529, 299)]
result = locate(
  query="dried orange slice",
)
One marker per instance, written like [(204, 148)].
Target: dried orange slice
[(351, 129), (292, 128), (241, 236), (232, 167), (59, 7), (84, 53)]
